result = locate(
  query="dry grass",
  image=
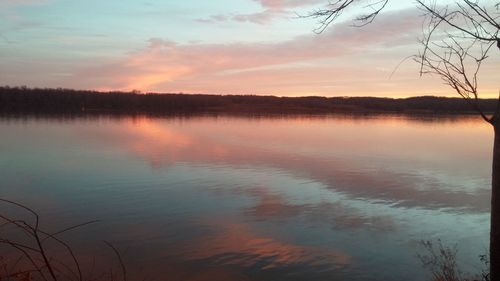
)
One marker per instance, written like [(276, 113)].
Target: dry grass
[(441, 260), (36, 254)]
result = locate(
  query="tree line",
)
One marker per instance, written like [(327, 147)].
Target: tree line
[(39, 101)]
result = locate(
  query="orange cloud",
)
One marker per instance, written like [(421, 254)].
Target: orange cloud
[(156, 76), (168, 66)]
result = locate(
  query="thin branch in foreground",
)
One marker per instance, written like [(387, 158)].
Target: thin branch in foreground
[(118, 255)]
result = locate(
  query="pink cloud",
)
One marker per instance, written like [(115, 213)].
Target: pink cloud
[(258, 18), (284, 4), (264, 17), (214, 19), (169, 66)]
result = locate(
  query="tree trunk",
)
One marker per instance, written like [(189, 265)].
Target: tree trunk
[(495, 209)]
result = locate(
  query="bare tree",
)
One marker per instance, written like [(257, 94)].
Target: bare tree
[(457, 39)]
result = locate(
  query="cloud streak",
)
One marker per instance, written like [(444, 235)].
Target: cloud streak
[(262, 18), (273, 9), (12, 3), (167, 65), (286, 4)]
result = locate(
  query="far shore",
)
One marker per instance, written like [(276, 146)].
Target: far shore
[(34, 101)]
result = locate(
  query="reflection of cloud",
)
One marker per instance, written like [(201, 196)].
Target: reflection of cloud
[(344, 217), (150, 139), (271, 205), (154, 142), (236, 243), (339, 216), (162, 145)]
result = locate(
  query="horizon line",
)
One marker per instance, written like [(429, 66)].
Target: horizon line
[(139, 92)]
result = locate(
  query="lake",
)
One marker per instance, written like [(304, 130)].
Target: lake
[(256, 198)]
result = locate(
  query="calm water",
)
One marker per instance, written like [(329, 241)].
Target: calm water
[(233, 198)]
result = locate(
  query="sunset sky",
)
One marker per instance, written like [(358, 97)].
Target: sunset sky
[(218, 47)]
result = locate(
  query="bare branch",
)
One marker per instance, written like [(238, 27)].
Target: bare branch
[(73, 227), (34, 256), (335, 9), (457, 52), (370, 17), (449, 17), (122, 264)]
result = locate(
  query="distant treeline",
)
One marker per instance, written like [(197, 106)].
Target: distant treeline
[(20, 100)]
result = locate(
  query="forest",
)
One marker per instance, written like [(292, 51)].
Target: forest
[(17, 100)]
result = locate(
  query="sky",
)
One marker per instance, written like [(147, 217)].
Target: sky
[(260, 47)]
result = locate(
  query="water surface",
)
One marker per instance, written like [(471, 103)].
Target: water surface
[(257, 198)]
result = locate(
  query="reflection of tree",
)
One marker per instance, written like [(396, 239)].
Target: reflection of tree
[(458, 38)]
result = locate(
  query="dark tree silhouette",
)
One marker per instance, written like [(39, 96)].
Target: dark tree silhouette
[(457, 40), (22, 101)]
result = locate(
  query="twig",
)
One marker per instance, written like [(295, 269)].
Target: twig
[(124, 270)]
